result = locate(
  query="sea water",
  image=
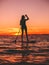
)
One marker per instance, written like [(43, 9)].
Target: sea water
[(39, 54)]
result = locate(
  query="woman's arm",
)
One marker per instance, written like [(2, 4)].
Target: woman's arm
[(27, 18)]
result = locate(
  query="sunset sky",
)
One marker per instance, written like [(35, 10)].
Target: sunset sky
[(12, 10)]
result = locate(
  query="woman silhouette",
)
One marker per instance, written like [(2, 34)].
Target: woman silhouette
[(23, 26)]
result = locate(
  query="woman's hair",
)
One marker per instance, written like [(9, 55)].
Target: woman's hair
[(23, 16)]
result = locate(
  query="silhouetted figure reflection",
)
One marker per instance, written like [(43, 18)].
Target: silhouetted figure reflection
[(23, 20)]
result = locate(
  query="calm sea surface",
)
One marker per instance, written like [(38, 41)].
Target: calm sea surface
[(12, 52)]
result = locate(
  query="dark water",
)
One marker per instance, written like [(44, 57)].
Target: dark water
[(36, 53)]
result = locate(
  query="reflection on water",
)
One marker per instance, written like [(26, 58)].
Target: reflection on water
[(36, 53)]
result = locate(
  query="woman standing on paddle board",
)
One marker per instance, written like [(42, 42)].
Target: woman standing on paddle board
[(23, 20)]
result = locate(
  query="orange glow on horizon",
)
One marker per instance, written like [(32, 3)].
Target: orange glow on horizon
[(17, 31)]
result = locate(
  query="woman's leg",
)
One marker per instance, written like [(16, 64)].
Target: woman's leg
[(26, 33), (22, 35)]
